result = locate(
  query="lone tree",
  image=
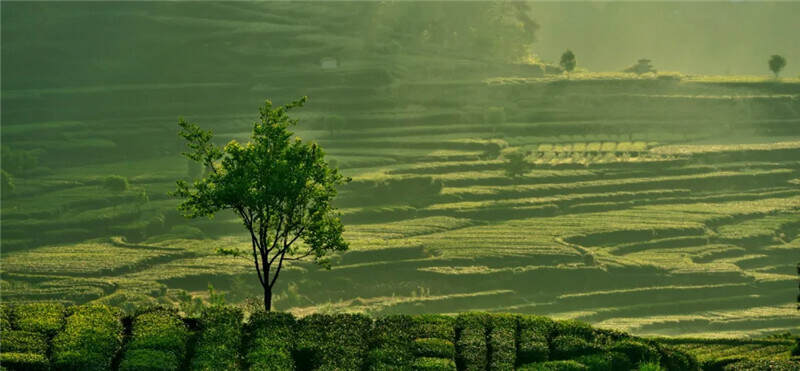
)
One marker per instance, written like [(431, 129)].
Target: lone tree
[(776, 64), (567, 61), (280, 187)]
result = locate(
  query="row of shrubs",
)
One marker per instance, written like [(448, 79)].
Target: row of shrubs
[(158, 341), (26, 333), (89, 337)]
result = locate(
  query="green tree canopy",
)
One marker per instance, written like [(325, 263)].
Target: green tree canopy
[(776, 64), (281, 187), (568, 61)]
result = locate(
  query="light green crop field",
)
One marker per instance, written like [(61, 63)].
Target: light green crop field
[(661, 204)]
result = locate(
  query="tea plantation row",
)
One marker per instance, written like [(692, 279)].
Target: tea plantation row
[(44, 336)]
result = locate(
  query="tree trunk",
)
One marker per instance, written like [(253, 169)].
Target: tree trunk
[(267, 298)]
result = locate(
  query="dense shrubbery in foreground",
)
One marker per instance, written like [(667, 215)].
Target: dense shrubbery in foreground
[(91, 337)]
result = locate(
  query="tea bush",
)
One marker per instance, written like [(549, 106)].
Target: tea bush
[(92, 335), (24, 361), (637, 351), (15, 341), (502, 342), (570, 346), (471, 347), (269, 341), (554, 366), (47, 318), (159, 329), (332, 342), (149, 360), (220, 339), (433, 347), (433, 364)]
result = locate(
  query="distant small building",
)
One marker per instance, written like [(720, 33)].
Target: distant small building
[(329, 63)]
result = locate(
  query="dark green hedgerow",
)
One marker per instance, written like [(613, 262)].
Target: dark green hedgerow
[(764, 364), (434, 326), (24, 361), (269, 341), (47, 318), (149, 360), (391, 342), (5, 317), (674, 360), (15, 341), (433, 347), (608, 361), (502, 342), (534, 334), (637, 351), (91, 337), (220, 339), (333, 342), (554, 366), (159, 329), (433, 364), (565, 347), (471, 347)]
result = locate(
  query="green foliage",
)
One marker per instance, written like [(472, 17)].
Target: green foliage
[(24, 361), (554, 366), (92, 335), (501, 342), (571, 346), (149, 360), (608, 361), (575, 328), (515, 162), (567, 61), (280, 187), (116, 183), (471, 347), (47, 318), (6, 316), (220, 339), (433, 364), (332, 342), (763, 364), (637, 351), (15, 341), (269, 341), (674, 360), (650, 366), (776, 64), (534, 332), (433, 347), (159, 329)]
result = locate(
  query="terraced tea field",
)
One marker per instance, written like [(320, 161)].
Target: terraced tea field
[(661, 205)]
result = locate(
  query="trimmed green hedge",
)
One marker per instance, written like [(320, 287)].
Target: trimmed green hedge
[(636, 351), (391, 343), (606, 361), (332, 342), (569, 346), (220, 339), (5, 317), (433, 364), (15, 341), (159, 329), (471, 347), (24, 361), (554, 366), (433, 347), (502, 342), (92, 336), (47, 318), (149, 360), (764, 364), (534, 334), (269, 341)]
